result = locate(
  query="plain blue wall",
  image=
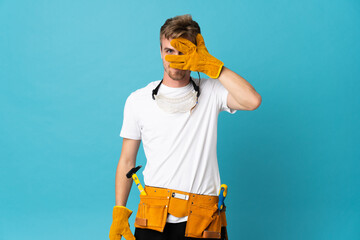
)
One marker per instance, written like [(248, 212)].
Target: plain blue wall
[(66, 68)]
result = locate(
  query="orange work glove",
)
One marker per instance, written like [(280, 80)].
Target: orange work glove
[(120, 225), (195, 58)]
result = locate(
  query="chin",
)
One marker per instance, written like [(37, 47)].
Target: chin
[(177, 76)]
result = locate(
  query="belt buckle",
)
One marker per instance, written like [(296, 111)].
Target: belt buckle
[(180, 196)]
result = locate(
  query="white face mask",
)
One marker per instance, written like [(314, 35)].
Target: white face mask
[(177, 105), (181, 104)]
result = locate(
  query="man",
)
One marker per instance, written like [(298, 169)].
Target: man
[(176, 119)]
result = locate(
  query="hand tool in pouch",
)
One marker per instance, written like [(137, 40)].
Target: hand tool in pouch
[(222, 195), (221, 206), (132, 173)]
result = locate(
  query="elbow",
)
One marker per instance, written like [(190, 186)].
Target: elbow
[(256, 102)]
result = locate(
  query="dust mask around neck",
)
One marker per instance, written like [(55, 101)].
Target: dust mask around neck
[(181, 104)]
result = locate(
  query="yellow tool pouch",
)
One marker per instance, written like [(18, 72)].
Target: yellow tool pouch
[(204, 218)]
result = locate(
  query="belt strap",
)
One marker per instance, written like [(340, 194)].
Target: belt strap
[(180, 201)]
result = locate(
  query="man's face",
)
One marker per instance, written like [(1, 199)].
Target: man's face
[(167, 49)]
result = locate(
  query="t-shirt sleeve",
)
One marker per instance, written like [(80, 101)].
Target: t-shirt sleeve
[(221, 95), (130, 127)]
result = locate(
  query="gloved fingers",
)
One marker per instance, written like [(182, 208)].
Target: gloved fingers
[(127, 234), (186, 42), (183, 45), (180, 66), (175, 58), (200, 40), (114, 236)]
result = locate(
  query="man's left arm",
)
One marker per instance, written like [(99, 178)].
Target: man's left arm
[(242, 96)]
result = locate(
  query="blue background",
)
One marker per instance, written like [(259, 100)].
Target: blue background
[(66, 68)]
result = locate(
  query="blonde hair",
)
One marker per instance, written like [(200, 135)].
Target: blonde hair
[(180, 26)]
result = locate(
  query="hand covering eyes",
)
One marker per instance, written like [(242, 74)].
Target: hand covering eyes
[(195, 58)]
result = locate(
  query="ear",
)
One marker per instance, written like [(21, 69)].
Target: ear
[(160, 51)]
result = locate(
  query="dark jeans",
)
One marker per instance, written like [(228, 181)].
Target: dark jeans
[(172, 231)]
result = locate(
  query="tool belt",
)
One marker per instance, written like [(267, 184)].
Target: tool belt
[(205, 220)]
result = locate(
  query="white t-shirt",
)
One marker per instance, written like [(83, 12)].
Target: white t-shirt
[(180, 148)]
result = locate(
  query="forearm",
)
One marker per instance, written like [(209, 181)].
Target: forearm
[(122, 183), (126, 163), (241, 91)]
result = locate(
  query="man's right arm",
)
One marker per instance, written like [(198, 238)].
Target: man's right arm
[(127, 161)]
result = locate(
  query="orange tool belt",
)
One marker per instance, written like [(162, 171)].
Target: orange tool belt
[(205, 220)]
